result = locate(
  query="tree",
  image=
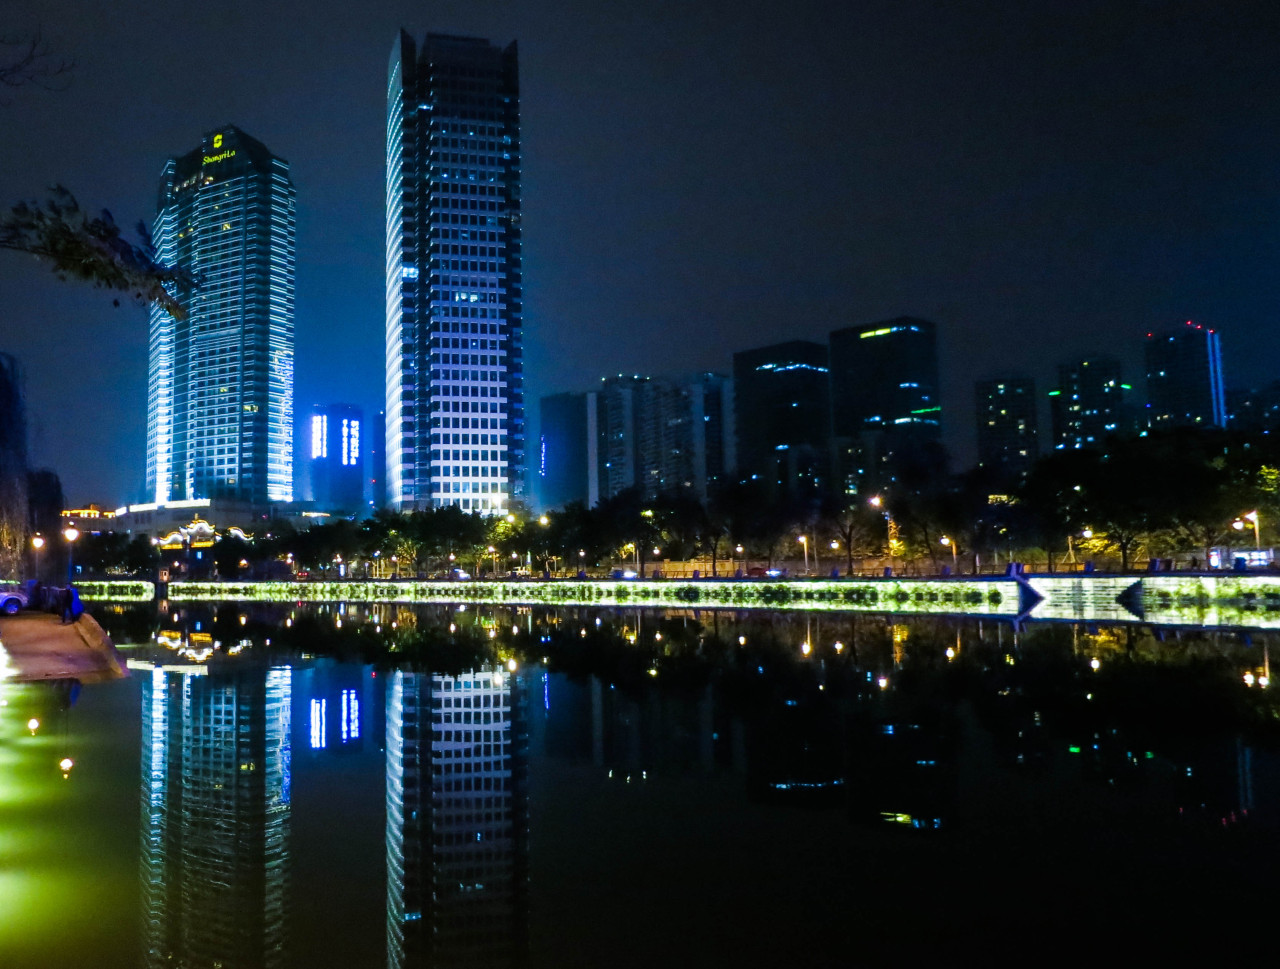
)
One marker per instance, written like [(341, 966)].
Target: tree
[(92, 249), (28, 59)]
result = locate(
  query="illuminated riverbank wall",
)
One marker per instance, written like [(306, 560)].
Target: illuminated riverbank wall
[(1226, 599)]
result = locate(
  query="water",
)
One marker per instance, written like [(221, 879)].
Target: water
[(381, 786)]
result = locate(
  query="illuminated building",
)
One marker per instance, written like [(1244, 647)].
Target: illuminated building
[(334, 442), (220, 382), (1184, 378), (215, 817), (455, 398), (1255, 410), (1089, 404), (782, 415), (377, 465), (1006, 419), (564, 450), (886, 412), (659, 435), (457, 819)]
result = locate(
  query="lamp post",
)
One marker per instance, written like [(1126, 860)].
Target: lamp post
[(946, 540), (1253, 517), (70, 533), (37, 542), (804, 542)]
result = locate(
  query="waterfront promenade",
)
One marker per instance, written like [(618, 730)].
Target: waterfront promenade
[(38, 646)]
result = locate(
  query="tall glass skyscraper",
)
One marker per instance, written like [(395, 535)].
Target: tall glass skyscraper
[(455, 398), (220, 382)]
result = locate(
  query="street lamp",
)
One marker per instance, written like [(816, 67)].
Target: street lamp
[(945, 540), (37, 542), (1253, 517), (804, 542), (70, 533)]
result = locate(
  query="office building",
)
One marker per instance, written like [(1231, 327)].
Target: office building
[(1006, 421), (886, 412), (455, 397), (1090, 404), (376, 493), (1184, 378), (220, 381), (335, 442), (563, 468), (457, 819), (782, 416)]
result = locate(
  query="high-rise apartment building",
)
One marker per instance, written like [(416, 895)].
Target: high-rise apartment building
[(782, 408), (1006, 420), (455, 397), (886, 411), (220, 381), (335, 443), (1089, 404), (1184, 378), (659, 435)]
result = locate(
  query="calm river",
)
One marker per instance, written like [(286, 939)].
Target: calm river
[(445, 786)]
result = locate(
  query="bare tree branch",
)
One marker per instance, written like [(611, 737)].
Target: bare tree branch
[(29, 59), (76, 246)]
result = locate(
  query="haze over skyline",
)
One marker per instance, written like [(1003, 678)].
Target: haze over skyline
[(1041, 182)]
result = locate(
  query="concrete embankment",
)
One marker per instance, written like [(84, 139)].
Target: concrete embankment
[(38, 646)]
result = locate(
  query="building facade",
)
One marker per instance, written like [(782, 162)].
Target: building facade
[(886, 410), (335, 442), (782, 415), (1184, 378), (563, 475), (1007, 424), (1090, 403), (454, 387), (220, 381)]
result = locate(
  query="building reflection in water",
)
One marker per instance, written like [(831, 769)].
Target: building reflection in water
[(215, 816), (457, 819)]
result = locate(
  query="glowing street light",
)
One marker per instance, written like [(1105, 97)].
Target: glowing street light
[(37, 542), (946, 540), (70, 533), (804, 541)]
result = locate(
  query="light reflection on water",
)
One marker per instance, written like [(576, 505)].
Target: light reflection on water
[(503, 787)]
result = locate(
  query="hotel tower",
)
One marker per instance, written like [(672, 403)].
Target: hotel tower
[(220, 381)]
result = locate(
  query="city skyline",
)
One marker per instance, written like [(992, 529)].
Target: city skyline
[(1039, 182)]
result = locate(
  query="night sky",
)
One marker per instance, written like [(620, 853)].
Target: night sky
[(1041, 179)]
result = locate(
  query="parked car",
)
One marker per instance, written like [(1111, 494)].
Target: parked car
[(12, 598)]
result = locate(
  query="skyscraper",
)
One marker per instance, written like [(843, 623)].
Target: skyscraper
[(1089, 404), (781, 403), (1006, 419), (455, 398), (220, 382), (886, 412), (1184, 378)]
